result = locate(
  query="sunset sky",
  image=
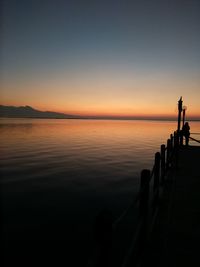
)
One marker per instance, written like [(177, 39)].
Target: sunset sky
[(101, 57)]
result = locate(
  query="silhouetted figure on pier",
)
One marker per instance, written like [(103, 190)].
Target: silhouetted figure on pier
[(186, 132)]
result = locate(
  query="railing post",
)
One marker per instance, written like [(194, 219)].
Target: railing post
[(144, 203), (181, 137), (156, 179), (162, 149), (176, 148), (168, 153), (175, 139), (172, 141), (180, 102)]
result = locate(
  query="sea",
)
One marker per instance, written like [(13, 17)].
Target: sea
[(58, 174)]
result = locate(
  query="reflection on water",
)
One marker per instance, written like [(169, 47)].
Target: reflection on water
[(58, 174), (90, 154)]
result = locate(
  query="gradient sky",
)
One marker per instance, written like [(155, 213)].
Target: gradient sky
[(101, 57)]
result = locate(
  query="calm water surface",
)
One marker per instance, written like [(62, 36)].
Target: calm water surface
[(58, 174)]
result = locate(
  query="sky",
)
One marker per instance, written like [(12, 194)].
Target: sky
[(121, 58)]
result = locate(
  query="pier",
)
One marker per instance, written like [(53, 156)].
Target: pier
[(161, 227), (175, 238)]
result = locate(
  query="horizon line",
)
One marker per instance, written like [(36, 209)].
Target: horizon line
[(109, 116)]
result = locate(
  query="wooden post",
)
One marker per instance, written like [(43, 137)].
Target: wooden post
[(156, 179), (172, 140), (184, 109), (168, 153), (162, 149), (180, 102), (176, 139), (176, 149), (181, 138)]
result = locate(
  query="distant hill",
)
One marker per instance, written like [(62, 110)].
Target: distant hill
[(29, 112)]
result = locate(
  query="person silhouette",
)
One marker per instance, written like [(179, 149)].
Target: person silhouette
[(186, 132)]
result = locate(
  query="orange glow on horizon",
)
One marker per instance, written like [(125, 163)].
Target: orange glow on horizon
[(106, 112), (106, 95)]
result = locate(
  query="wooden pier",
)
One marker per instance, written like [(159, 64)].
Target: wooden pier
[(161, 227), (175, 238)]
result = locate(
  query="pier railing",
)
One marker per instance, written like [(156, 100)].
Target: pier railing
[(193, 139), (110, 237)]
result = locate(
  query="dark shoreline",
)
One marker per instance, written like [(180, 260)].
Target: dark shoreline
[(31, 113), (100, 118)]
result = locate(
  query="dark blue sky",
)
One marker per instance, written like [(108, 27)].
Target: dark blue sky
[(41, 38)]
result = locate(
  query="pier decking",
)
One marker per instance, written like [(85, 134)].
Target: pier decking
[(176, 236)]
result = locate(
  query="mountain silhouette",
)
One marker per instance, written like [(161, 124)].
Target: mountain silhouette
[(29, 112)]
